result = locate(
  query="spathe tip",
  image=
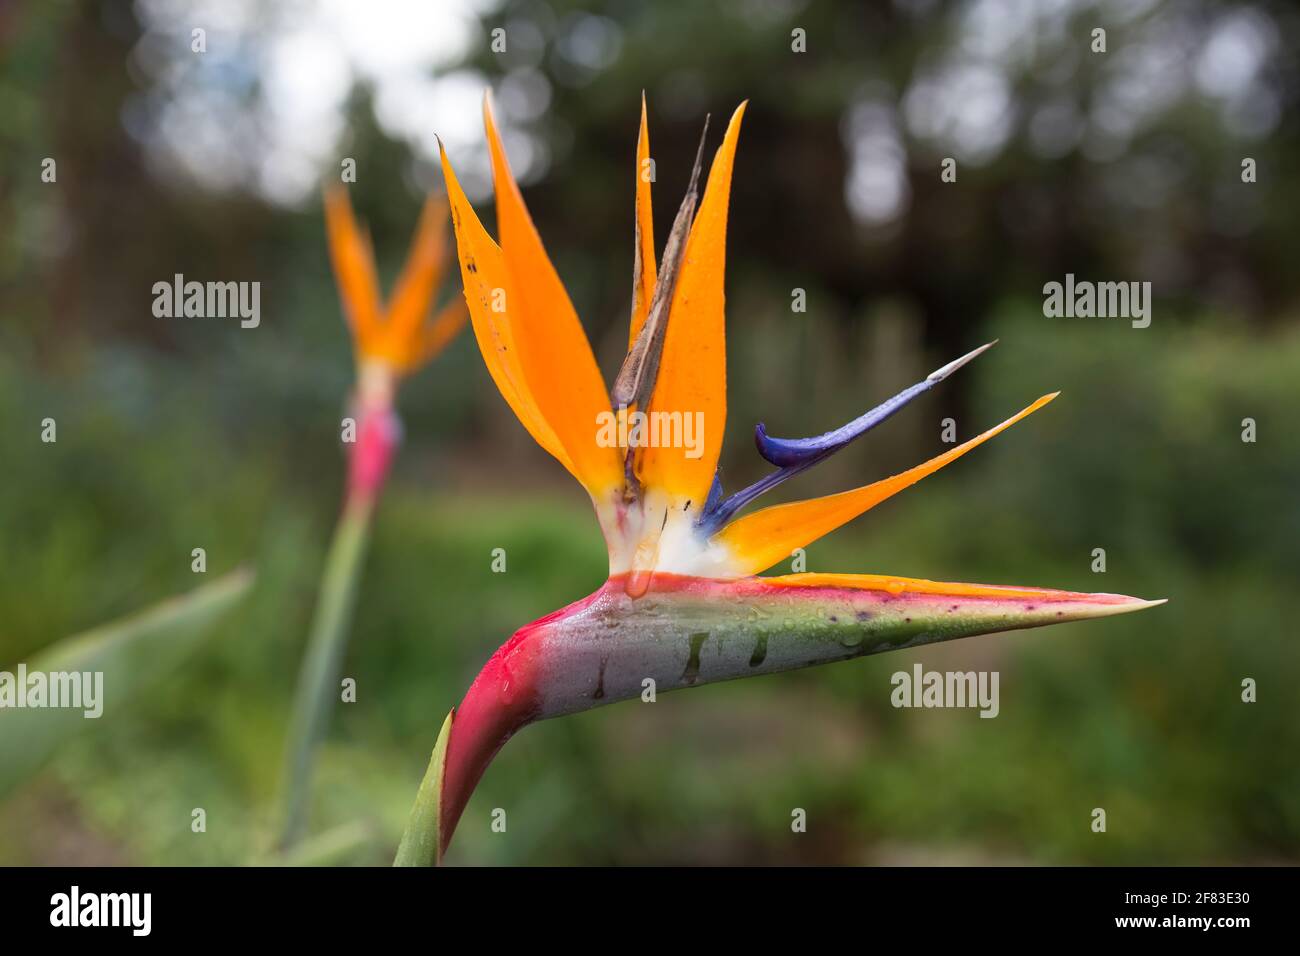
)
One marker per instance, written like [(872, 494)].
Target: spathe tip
[(1127, 605)]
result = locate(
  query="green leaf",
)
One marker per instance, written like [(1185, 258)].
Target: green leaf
[(421, 843), (130, 654), (337, 847)]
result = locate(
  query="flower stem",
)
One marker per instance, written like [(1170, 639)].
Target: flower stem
[(318, 679)]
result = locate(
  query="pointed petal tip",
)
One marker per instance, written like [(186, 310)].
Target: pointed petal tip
[(734, 123), (939, 374), (492, 126)]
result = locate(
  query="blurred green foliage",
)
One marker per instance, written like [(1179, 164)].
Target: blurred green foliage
[(177, 435), (113, 663), (1141, 715)]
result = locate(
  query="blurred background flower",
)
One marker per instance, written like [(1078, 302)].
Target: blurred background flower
[(393, 336), (180, 433)]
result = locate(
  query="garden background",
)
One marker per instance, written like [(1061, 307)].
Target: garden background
[(181, 433)]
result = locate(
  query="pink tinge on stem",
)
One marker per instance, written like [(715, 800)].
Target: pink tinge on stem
[(378, 435), (498, 703), (502, 700)]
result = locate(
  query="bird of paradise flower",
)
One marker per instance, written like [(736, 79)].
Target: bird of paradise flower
[(391, 340), (684, 603)]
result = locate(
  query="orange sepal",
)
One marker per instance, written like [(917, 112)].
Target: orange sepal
[(553, 350), (644, 273), (421, 275), (436, 335), (692, 376), (760, 540), (488, 291), (353, 259)]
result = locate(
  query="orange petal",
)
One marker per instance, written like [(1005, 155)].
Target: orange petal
[(483, 271), (553, 349), (643, 270), (760, 540), (354, 267), (436, 335), (693, 371), (420, 277)]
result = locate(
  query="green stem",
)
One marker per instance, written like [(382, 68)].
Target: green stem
[(318, 681)]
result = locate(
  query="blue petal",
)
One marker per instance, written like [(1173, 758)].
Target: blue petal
[(793, 455), (785, 452)]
